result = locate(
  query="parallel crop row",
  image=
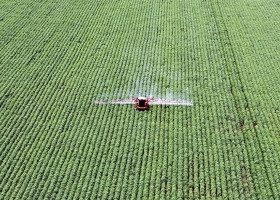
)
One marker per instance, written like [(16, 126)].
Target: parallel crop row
[(57, 57)]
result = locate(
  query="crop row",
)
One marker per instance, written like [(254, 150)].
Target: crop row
[(55, 143)]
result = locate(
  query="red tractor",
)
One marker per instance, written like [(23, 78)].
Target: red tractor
[(142, 103)]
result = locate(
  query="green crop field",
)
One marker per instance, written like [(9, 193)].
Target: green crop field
[(58, 56)]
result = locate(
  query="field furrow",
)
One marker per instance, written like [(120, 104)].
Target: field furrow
[(57, 58)]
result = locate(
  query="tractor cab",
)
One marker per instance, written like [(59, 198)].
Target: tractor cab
[(141, 103)]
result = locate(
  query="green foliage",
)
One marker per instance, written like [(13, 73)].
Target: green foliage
[(57, 57)]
